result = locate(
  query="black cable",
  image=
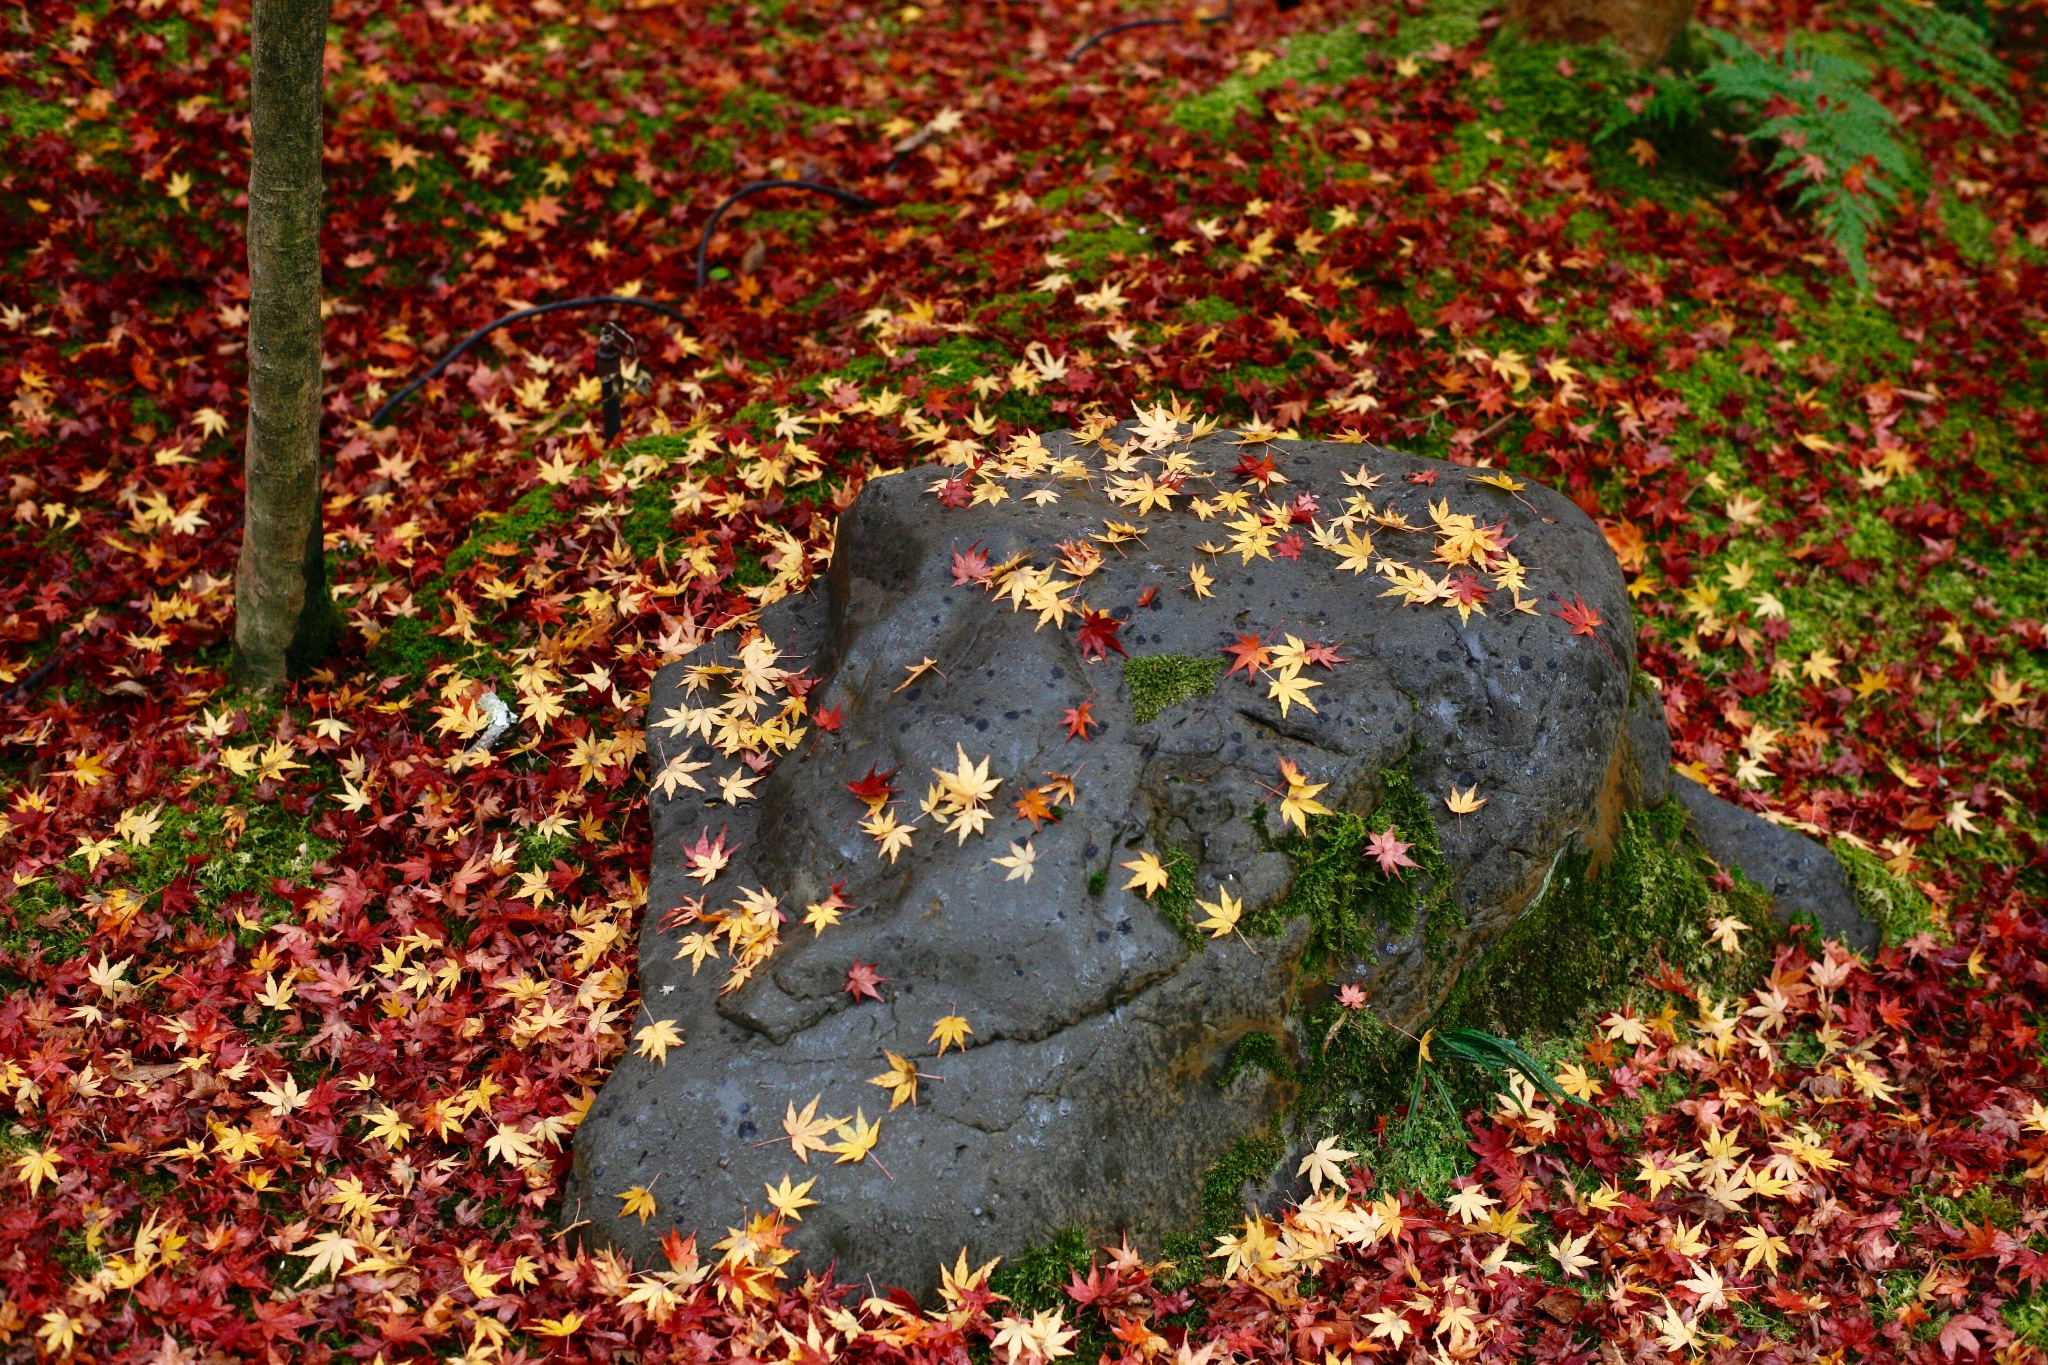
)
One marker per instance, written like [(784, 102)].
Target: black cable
[(379, 417), (846, 197), (1229, 13)]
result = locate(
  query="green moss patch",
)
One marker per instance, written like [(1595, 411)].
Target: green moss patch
[(1896, 905), (1157, 681), (1348, 900)]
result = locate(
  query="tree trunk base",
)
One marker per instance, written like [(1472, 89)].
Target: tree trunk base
[(1646, 30)]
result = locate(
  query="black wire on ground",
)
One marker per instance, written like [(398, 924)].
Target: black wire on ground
[(383, 414), (846, 197), (1229, 13)]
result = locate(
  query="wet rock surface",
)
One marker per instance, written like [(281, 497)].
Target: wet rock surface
[(1088, 1093), (1803, 878)]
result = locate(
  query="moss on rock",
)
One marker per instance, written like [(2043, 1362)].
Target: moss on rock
[(1157, 681), (1898, 907), (1348, 900)]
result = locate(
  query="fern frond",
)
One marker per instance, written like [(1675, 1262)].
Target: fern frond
[(1953, 50), (1836, 141)]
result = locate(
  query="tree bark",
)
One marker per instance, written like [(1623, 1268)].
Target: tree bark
[(1644, 29), (284, 618)]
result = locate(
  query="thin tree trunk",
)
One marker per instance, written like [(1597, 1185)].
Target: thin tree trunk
[(284, 618)]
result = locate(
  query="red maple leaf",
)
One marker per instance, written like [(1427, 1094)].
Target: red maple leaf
[(1468, 590), (1251, 656), (1959, 1334), (1091, 1290), (1258, 468), (686, 913), (681, 1251), (1302, 511), (1098, 634), (1077, 719), (829, 718), (1579, 615), (1326, 655), (708, 855), (861, 980), (956, 493), (1790, 1300), (1391, 853), (1145, 597), (1290, 546), (970, 566), (876, 789), (1033, 806), (1424, 477)]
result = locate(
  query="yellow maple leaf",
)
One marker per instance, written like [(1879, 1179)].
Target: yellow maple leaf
[(805, 1130), (900, 1080), (1148, 874), (790, 1200), (952, 1030), (1465, 802), (1223, 913), (638, 1200), (1291, 691), (856, 1139), (563, 1326), (657, 1038)]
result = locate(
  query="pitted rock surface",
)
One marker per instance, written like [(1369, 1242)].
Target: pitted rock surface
[(1089, 1093)]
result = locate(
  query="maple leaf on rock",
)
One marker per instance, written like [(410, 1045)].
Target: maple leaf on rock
[(707, 858), (1221, 915), (805, 1130), (1387, 849), (638, 1201), (1078, 719), (1324, 655), (900, 1080), (1099, 634), (857, 1138), (951, 1031), (1148, 874), (875, 789), (1581, 616), (1249, 655), (1291, 689), (970, 566), (657, 1038), (861, 980), (1019, 863), (789, 1200), (1465, 802)]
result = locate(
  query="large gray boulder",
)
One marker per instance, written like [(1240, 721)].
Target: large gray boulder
[(1088, 1094)]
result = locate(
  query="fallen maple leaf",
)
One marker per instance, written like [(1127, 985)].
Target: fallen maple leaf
[(970, 566), (638, 1201), (805, 1129), (1249, 654), (1387, 849), (875, 789), (1148, 874), (1098, 634), (1465, 802), (950, 1031), (1078, 719), (900, 1080), (861, 980)]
